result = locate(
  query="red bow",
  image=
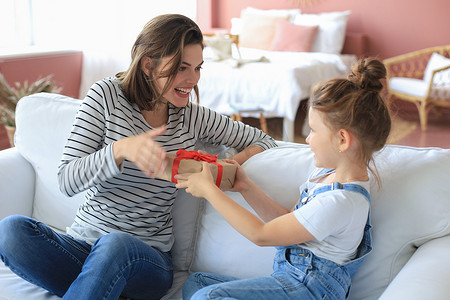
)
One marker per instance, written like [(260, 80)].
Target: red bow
[(184, 154)]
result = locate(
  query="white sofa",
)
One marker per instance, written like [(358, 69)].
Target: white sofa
[(410, 214)]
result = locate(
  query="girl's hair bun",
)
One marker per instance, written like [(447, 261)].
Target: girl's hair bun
[(367, 73)]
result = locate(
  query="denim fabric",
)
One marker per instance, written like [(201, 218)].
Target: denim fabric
[(117, 264), (298, 273)]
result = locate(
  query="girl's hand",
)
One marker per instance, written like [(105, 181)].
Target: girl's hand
[(197, 184), (241, 180), (143, 151)]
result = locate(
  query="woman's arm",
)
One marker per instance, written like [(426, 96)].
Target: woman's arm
[(217, 129), (86, 161), (245, 154)]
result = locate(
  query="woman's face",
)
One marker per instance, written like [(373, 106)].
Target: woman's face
[(186, 78)]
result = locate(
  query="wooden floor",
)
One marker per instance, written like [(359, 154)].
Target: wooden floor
[(436, 135), (438, 128)]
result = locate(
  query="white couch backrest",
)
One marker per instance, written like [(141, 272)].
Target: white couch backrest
[(411, 208), (43, 125)]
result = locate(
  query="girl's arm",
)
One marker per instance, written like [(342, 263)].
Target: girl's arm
[(282, 231), (265, 207)]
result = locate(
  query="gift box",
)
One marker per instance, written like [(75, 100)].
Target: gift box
[(185, 161)]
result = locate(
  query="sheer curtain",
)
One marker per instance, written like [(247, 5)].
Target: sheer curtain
[(104, 30)]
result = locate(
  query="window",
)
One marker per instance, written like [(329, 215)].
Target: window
[(80, 24)]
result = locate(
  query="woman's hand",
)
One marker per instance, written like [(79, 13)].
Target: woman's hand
[(143, 151), (197, 184)]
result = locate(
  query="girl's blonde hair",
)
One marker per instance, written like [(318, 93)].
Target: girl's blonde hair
[(355, 104), (163, 36)]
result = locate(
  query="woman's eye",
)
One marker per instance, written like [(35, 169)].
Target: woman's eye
[(198, 68), (182, 69)]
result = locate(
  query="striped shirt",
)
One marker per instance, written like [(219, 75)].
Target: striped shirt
[(124, 198)]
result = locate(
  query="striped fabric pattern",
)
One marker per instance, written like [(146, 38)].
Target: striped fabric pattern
[(123, 198)]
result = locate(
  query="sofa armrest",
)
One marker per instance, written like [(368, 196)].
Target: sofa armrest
[(17, 181), (425, 276)]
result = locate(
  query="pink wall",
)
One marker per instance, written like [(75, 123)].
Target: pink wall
[(392, 27), (65, 67)]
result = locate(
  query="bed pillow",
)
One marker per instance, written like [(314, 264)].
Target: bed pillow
[(258, 30), (258, 25), (236, 23), (436, 61), (291, 37), (331, 34)]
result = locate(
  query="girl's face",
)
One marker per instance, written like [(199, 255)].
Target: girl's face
[(187, 77), (322, 140)]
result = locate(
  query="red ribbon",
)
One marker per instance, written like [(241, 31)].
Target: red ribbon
[(184, 154)]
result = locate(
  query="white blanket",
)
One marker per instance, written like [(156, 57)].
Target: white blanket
[(276, 86)]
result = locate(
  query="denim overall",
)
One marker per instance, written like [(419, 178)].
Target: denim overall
[(322, 278)]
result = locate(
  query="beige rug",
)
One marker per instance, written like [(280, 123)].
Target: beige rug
[(400, 128)]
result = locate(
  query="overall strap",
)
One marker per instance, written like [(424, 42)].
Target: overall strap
[(306, 196), (346, 186)]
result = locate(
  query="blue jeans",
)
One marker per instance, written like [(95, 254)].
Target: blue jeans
[(298, 274), (117, 264)]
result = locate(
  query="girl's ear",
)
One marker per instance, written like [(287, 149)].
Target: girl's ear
[(146, 63), (345, 140)]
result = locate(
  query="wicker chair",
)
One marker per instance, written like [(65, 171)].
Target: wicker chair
[(405, 81)]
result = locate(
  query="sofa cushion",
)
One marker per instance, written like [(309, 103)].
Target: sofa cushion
[(404, 214), (220, 249), (410, 86), (43, 125), (411, 208)]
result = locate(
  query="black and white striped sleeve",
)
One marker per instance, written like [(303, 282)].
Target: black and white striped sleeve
[(86, 161), (217, 129)]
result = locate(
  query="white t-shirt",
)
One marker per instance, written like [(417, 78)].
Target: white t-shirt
[(336, 219)]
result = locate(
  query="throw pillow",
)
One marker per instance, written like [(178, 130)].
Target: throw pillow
[(258, 30), (291, 37), (331, 34), (436, 61)]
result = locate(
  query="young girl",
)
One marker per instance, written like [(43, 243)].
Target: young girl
[(120, 241), (323, 239)]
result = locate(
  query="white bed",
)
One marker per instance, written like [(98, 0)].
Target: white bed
[(277, 86)]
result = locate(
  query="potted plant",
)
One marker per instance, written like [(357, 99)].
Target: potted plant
[(10, 96)]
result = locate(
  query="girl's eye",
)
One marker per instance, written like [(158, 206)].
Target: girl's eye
[(199, 68), (182, 69)]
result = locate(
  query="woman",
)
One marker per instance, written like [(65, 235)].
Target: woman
[(120, 241)]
